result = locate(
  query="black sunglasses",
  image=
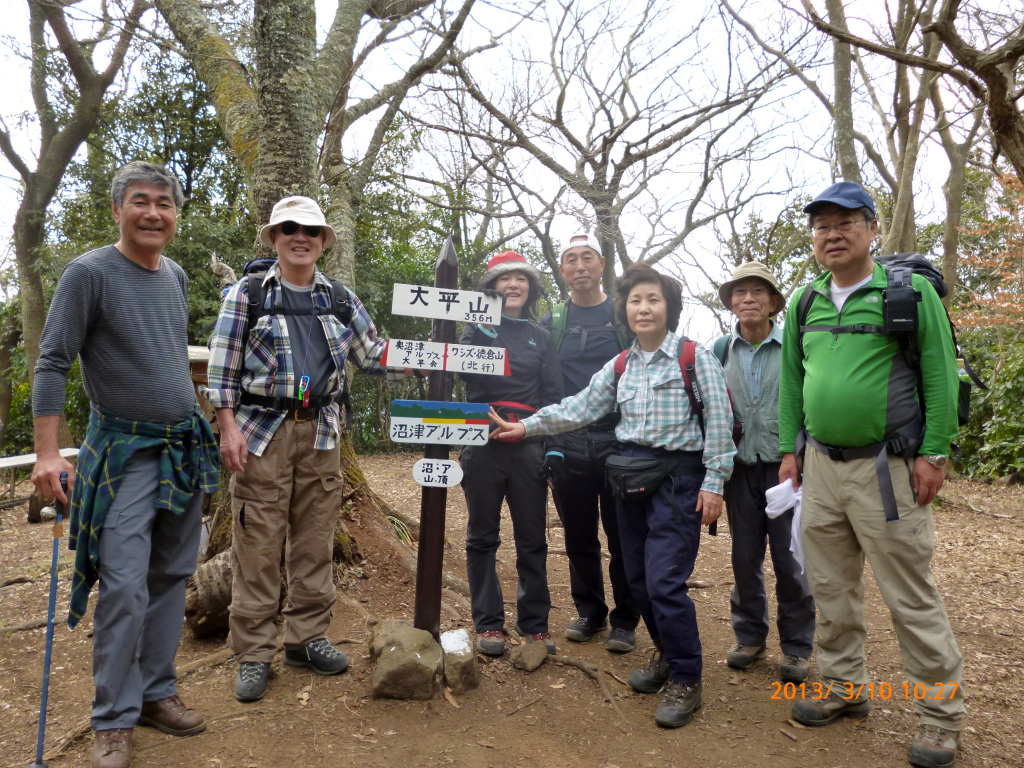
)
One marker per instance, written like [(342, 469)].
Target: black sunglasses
[(289, 228)]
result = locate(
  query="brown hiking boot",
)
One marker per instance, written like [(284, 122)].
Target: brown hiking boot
[(113, 748), (795, 669), (743, 656), (934, 747), (827, 709), (172, 716)]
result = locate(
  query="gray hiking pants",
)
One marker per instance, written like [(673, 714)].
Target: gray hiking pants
[(146, 556)]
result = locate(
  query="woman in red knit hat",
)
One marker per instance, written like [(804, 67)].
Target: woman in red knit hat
[(497, 472)]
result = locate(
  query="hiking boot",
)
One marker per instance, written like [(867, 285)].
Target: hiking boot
[(172, 716), (678, 703), (251, 683), (795, 669), (113, 748), (651, 678), (621, 640), (825, 710), (934, 747), (542, 637), (743, 656), (581, 630), (320, 656), (491, 642)]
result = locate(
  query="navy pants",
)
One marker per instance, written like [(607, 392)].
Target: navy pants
[(582, 498), (660, 536), (752, 530)]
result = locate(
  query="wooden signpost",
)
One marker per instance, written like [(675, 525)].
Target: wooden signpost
[(433, 501)]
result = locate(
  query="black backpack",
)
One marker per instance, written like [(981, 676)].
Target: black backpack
[(255, 271), (899, 310)]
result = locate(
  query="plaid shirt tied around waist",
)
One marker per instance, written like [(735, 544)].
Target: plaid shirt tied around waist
[(189, 460), (654, 407), (263, 363)]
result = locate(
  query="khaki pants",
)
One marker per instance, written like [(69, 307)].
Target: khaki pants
[(287, 498), (843, 522)]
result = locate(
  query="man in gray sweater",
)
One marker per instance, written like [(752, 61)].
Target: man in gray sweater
[(752, 355), (136, 511)]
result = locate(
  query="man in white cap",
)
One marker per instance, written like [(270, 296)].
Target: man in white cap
[(587, 335), (276, 370), (751, 356)]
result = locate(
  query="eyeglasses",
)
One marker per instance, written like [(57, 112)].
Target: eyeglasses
[(289, 228), (843, 228), (757, 292)]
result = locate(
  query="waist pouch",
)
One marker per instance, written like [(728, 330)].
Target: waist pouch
[(636, 477)]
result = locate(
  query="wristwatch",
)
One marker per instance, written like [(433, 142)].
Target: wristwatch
[(937, 461)]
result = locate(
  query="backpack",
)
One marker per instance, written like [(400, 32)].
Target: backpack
[(721, 348), (560, 319), (900, 318), (255, 271)]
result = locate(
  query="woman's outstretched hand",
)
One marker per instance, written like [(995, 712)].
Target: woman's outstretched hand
[(507, 431)]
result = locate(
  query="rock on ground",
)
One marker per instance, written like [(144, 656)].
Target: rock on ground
[(529, 656), (460, 670), (409, 664)]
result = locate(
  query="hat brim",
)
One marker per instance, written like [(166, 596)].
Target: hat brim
[(510, 266), (330, 238), (725, 293), (843, 202)]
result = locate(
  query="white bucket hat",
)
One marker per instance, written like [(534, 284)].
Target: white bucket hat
[(592, 242), (301, 210)]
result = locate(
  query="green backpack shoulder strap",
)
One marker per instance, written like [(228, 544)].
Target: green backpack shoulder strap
[(559, 318), (721, 349)]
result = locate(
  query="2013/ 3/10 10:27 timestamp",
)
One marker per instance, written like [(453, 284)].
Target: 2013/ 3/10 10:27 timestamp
[(856, 692)]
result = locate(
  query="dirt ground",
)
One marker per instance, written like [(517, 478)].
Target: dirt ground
[(555, 716)]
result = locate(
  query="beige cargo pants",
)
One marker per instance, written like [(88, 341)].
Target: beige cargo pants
[(843, 522), (287, 498)]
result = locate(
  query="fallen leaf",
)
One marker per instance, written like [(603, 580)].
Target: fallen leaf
[(486, 744), (795, 724), (735, 680), (390, 733), (558, 686), (451, 699), (303, 697)]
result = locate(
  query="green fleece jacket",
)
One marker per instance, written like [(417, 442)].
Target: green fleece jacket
[(855, 389)]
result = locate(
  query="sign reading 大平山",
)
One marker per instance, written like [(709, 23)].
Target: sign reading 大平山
[(434, 356), (437, 473), (439, 422), (443, 304)]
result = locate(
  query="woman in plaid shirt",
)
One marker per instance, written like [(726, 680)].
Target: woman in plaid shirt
[(660, 532)]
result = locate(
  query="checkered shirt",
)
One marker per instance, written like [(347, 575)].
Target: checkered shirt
[(654, 406), (263, 363)]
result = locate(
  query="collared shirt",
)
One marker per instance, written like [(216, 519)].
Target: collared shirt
[(654, 406), (263, 364), (189, 460), (751, 360)]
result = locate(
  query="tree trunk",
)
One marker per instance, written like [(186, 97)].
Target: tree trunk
[(28, 240), (10, 334), (846, 152)]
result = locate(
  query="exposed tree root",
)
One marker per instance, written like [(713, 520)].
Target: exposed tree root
[(595, 673), (37, 624)]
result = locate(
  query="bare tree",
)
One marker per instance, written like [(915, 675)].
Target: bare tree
[(990, 73), (631, 120), (66, 108)]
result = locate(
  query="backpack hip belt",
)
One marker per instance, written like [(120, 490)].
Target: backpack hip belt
[(285, 403), (904, 443)]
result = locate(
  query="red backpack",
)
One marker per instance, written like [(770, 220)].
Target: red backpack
[(687, 364)]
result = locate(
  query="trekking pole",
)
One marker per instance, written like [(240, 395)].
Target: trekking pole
[(58, 532)]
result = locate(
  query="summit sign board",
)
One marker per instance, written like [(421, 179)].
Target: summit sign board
[(439, 422), (444, 304)]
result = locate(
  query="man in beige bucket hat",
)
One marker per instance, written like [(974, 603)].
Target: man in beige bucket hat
[(751, 356), (276, 373)]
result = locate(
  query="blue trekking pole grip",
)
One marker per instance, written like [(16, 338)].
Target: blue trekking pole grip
[(58, 532)]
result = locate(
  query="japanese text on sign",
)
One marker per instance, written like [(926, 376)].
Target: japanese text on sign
[(434, 356), (441, 423), (437, 473), (443, 304)]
